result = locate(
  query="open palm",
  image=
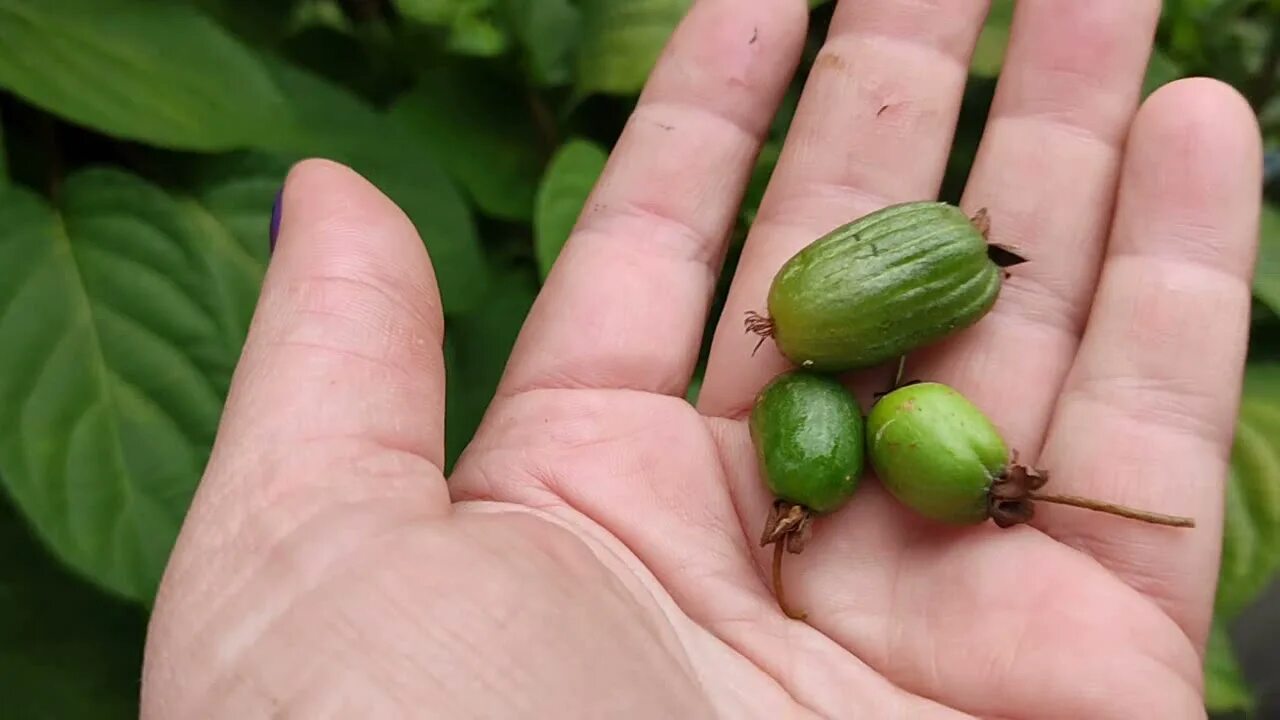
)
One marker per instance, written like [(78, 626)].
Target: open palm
[(595, 553)]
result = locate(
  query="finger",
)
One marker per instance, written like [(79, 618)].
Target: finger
[(342, 376), (626, 303), (873, 127), (1147, 412), (1046, 171)]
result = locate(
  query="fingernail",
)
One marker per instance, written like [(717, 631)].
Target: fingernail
[(275, 219)]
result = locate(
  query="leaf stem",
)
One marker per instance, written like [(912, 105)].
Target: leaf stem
[(1112, 509)]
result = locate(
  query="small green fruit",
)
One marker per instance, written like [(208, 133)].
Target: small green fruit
[(941, 456), (936, 452), (808, 434), (875, 288)]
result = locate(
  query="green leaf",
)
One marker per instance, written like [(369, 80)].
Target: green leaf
[(232, 202), (163, 74), (621, 42), (121, 319), (988, 54), (471, 25), (238, 190), (1161, 70), (1224, 685), (264, 23), (66, 650), (570, 176), (477, 346), (156, 72), (549, 32), (331, 122), (470, 122), (1266, 274), (1251, 539)]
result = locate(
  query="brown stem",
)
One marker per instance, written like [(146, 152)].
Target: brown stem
[(1120, 510), (777, 585)]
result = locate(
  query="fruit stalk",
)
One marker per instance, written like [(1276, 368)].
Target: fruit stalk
[(778, 592), (1113, 509)]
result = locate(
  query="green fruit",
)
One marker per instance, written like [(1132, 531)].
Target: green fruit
[(808, 434), (888, 282), (936, 452), (941, 456)]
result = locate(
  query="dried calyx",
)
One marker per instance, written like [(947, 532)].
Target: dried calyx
[(788, 528), (1012, 498)]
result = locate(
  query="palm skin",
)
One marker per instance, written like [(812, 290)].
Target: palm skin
[(595, 551)]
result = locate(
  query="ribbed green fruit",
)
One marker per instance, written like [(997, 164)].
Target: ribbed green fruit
[(882, 285), (808, 434)]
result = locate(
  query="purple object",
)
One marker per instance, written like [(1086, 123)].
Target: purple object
[(275, 219)]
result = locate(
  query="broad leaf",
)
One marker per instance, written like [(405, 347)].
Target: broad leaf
[(232, 202), (549, 32), (264, 23), (988, 54), (1224, 685), (157, 72), (121, 319), (570, 176), (485, 141), (331, 122), (477, 346), (67, 651), (1266, 274), (621, 42), (1251, 540)]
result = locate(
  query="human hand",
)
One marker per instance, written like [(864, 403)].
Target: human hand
[(595, 552)]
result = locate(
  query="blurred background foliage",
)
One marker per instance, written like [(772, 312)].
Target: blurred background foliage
[(142, 144)]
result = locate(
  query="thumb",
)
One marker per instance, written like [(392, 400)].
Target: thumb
[(332, 432), (339, 392)]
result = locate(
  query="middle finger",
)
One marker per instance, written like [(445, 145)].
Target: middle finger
[(874, 127)]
